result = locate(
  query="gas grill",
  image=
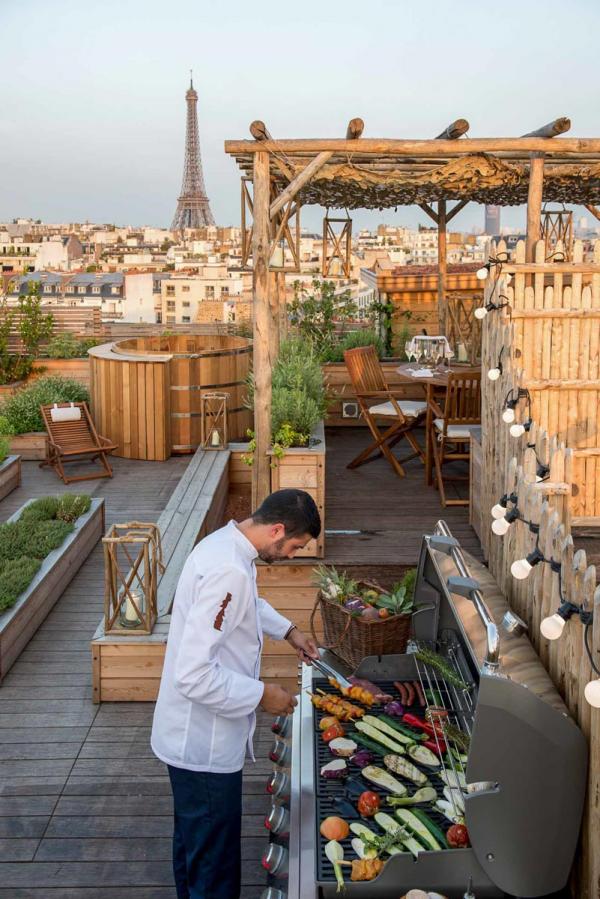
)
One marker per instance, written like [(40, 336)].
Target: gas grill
[(526, 767)]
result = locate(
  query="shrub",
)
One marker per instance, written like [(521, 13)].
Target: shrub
[(15, 577), (28, 537), (6, 432), (23, 408), (71, 506), (315, 314), (350, 341), (42, 509), (67, 346)]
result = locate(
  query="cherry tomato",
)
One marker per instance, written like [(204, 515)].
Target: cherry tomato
[(368, 804), (336, 730)]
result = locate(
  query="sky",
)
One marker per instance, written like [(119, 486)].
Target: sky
[(93, 102)]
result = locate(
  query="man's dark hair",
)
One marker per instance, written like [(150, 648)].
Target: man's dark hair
[(296, 510)]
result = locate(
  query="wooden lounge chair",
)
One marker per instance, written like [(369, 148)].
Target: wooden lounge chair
[(72, 437), (451, 430), (401, 416)]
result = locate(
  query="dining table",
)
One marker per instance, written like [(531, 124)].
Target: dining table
[(434, 386)]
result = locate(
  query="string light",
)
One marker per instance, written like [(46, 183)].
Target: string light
[(501, 525), (520, 428), (494, 373), (511, 401), (482, 273), (482, 311), (521, 568), (499, 510)]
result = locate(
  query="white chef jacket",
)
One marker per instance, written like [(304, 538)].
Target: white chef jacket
[(204, 718)]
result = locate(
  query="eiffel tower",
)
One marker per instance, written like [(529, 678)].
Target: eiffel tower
[(193, 209)]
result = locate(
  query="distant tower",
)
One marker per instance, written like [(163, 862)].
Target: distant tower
[(492, 220), (193, 209)]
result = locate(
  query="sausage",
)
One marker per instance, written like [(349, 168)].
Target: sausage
[(420, 694), (401, 688), (411, 694)]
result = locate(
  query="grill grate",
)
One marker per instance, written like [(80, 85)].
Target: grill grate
[(460, 708)]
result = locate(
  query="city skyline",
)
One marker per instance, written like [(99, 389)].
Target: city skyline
[(101, 135)]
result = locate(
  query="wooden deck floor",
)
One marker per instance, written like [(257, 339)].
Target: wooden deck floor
[(85, 808), (391, 513)]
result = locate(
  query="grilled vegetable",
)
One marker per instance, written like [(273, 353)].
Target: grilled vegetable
[(405, 768), (452, 779), (382, 724), (429, 657), (384, 780), (335, 770), (394, 708), (447, 810), (361, 850), (334, 828), (457, 736), (342, 747), (336, 730), (456, 798), (365, 869), (344, 808), (423, 794), (368, 804), (373, 843), (431, 826), (375, 734), (392, 827), (436, 744), (370, 745), (362, 758), (420, 724), (416, 827), (412, 735), (327, 722), (423, 756), (335, 854), (458, 836)]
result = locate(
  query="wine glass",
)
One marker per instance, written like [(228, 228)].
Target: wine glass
[(408, 350)]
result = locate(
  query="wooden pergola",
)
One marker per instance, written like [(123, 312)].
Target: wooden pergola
[(374, 173)]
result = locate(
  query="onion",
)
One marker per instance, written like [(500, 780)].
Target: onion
[(336, 769), (342, 747), (333, 828)]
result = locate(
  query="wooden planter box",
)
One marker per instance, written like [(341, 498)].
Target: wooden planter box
[(19, 623), (10, 475), (7, 390), (31, 446), (68, 368), (304, 468), (339, 389)]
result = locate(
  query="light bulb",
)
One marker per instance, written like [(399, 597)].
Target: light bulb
[(592, 693), (538, 479), (552, 627), (498, 511), (517, 430), (482, 273), (494, 374), (480, 312), (500, 526), (508, 278), (520, 569), (508, 415)]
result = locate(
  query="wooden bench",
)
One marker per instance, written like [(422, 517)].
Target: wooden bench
[(128, 668)]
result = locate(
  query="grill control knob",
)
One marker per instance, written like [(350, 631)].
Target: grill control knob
[(281, 726), (275, 860), (279, 786), (273, 893), (278, 821), (280, 753)]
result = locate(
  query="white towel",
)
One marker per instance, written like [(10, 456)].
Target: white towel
[(66, 413)]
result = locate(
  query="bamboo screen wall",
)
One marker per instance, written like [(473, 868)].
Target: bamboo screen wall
[(555, 342)]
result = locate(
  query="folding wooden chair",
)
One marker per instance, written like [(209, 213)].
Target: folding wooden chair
[(72, 437), (451, 433), (402, 416)]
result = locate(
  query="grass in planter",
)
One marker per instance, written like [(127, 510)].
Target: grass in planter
[(42, 527), (15, 577)]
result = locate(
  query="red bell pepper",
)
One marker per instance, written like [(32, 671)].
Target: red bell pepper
[(438, 746), (430, 729)]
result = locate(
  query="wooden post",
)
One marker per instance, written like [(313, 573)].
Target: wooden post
[(263, 329), (534, 203), (442, 266)]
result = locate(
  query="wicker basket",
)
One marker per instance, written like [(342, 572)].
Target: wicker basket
[(353, 638)]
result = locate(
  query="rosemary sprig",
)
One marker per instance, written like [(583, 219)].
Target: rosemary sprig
[(429, 657)]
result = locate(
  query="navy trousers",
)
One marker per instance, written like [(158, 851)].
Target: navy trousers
[(207, 834)]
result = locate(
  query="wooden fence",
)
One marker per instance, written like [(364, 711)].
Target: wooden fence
[(546, 341), (81, 322), (554, 341)]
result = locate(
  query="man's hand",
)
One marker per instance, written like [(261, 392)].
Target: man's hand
[(304, 646), (277, 701)]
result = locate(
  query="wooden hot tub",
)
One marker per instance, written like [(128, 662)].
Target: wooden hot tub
[(146, 390)]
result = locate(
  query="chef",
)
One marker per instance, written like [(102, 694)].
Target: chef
[(205, 714)]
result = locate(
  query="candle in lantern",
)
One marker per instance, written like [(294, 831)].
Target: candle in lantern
[(215, 438), (129, 615)]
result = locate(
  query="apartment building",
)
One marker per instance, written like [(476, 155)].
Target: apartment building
[(203, 295)]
